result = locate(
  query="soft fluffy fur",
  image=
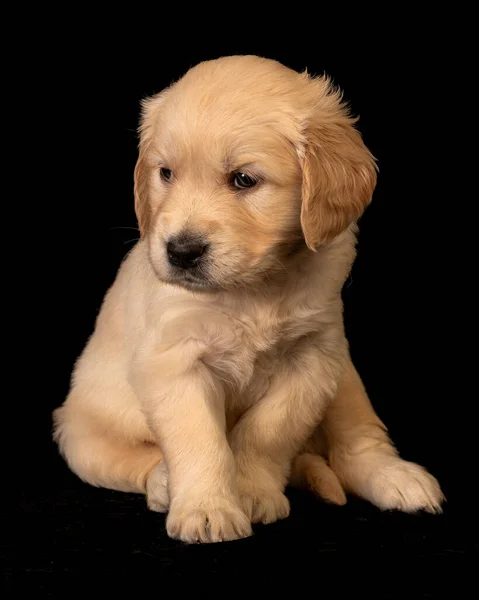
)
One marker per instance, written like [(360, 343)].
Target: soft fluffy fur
[(209, 389)]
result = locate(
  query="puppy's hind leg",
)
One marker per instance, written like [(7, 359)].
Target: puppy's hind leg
[(106, 461), (364, 458)]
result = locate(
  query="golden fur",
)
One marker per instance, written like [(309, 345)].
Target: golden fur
[(209, 390)]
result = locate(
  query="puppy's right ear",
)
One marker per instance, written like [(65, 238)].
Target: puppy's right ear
[(149, 114)]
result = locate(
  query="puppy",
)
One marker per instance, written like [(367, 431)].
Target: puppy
[(219, 370)]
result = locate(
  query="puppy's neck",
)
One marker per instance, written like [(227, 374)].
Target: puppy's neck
[(306, 276)]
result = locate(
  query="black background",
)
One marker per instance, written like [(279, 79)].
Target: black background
[(406, 315)]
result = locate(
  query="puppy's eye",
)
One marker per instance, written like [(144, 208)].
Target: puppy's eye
[(243, 181), (166, 174)]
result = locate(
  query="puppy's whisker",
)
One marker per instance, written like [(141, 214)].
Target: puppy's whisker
[(124, 227)]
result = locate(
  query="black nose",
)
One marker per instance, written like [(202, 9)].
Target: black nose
[(185, 253)]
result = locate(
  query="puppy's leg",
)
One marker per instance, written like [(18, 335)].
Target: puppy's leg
[(101, 460), (157, 495), (364, 458), (184, 404), (269, 435)]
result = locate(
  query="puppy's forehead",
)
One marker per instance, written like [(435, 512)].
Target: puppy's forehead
[(238, 82), (234, 101)]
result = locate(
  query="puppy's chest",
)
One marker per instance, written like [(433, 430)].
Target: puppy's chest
[(268, 339), (269, 330), (257, 382)]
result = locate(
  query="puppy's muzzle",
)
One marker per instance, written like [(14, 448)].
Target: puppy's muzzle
[(185, 252)]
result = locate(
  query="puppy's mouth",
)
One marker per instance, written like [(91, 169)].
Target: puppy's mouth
[(193, 280)]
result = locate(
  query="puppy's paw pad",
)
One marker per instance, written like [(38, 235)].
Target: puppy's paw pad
[(214, 521), (265, 506), (157, 496), (405, 486)]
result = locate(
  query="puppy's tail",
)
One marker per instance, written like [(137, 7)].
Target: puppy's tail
[(312, 472)]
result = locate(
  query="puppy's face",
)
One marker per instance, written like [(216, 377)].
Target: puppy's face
[(235, 173)]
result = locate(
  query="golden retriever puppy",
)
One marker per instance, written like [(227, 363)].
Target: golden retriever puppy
[(218, 370)]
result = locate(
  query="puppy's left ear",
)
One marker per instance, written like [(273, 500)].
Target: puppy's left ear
[(338, 171)]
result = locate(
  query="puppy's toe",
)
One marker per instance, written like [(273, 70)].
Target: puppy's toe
[(210, 521), (157, 496), (405, 486), (265, 506)]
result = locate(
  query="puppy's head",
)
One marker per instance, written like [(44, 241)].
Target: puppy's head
[(242, 162)]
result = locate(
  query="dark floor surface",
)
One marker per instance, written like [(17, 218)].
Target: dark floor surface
[(69, 537)]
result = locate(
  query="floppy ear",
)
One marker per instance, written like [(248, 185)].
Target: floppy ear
[(149, 115), (338, 171)]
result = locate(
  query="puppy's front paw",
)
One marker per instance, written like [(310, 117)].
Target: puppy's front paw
[(157, 496), (217, 519), (400, 485), (263, 504)]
